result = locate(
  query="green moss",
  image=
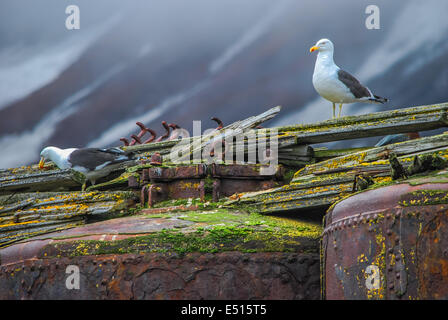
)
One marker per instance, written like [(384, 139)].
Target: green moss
[(202, 205), (424, 197), (117, 182), (288, 176), (214, 231)]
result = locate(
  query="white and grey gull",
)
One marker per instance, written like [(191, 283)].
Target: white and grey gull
[(335, 84), (94, 163)]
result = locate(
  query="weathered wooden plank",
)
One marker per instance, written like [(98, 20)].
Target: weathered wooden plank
[(231, 130), (34, 213), (41, 181), (298, 205), (322, 154), (402, 149), (375, 116), (374, 128)]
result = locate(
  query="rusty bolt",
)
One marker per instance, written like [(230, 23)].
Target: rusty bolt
[(136, 138), (219, 122), (397, 275), (125, 141)]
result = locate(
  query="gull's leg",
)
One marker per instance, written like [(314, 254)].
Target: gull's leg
[(334, 110), (83, 188), (340, 109)]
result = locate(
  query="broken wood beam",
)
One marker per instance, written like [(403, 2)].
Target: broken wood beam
[(40, 181), (374, 124), (29, 214)]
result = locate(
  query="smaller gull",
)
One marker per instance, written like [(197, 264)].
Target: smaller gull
[(92, 162), (335, 84)]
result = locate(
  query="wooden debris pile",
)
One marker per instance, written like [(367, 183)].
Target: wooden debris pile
[(26, 215), (319, 185), (34, 202)]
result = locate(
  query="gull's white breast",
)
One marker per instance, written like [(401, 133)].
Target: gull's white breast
[(328, 86)]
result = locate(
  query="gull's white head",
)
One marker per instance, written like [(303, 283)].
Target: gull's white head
[(323, 45), (47, 153)]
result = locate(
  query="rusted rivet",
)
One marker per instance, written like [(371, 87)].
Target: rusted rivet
[(397, 275)]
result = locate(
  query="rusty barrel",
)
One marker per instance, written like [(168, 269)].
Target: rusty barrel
[(388, 243)]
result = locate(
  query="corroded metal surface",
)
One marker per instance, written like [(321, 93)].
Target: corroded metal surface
[(180, 256), (388, 243), (228, 275), (195, 181), (109, 230)]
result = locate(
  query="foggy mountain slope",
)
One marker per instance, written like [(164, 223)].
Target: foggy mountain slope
[(179, 62)]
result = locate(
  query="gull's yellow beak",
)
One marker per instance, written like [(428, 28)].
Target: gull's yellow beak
[(41, 162), (314, 48)]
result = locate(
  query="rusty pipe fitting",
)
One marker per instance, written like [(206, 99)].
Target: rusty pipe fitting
[(167, 133), (219, 122)]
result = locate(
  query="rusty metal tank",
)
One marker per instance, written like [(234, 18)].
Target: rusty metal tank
[(388, 243)]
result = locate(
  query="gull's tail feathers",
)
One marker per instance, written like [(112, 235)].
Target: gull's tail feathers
[(378, 99)]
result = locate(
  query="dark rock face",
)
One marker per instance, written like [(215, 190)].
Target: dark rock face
[(228, 275)]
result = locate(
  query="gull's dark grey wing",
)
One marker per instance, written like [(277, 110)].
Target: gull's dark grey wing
[(358, 90), (91, 158)]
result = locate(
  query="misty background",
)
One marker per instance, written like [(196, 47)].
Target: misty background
[(180, 61)]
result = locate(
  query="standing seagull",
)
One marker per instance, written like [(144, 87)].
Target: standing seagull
[(335, 84), (92, 162)]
